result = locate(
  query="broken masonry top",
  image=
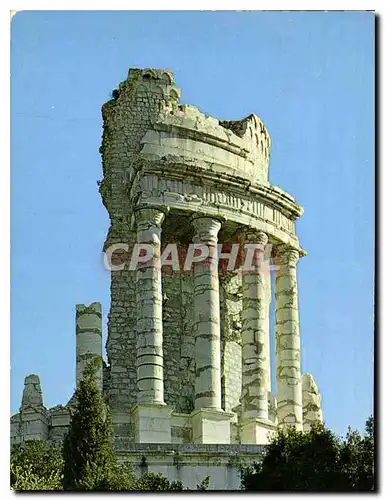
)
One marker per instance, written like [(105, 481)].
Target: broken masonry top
[(162, 76)]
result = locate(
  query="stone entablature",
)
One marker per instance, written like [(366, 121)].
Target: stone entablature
[(260, 207)]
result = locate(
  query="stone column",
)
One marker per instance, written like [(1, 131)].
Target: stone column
[(149, 349), (151, 416), (207, 318), (255, 363), (311, 402), (267, 280), (89, 340), (211, 425), (289, 390)]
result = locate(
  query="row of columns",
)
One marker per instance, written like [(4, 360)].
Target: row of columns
[(255, 354)]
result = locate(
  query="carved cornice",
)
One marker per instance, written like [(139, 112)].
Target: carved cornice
[(242, 209), (177, 168), (204, 136)]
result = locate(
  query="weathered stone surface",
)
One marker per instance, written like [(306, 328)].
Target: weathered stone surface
[(149, 326), (256, 431), (289, 389), (89, 340), (188, 349), (33, 420), (230, 293), (192, 463), (255, 361), (211, 426), (207, 318), (152, 423), (311, 402), (32, 395)]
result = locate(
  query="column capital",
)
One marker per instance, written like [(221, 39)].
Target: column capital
[(147, 217), (249, 235), (286, 254), (255, 251), (206, 229)]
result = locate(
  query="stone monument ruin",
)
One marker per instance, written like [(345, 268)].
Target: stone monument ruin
[(188, 370)]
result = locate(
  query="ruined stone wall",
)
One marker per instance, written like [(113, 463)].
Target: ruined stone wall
[(121, 342), (231, 350), (57, 434), (127, 117), (60, 417), (33, 419), (178, 341)]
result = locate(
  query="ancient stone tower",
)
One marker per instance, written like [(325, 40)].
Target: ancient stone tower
[(196, 230)]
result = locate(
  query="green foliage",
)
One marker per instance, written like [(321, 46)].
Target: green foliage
[(204, 485), (301, 461), (22, 479), (89, 461), (157, 482), (123, 478), (314, 461), (36, 465), (357, 457)]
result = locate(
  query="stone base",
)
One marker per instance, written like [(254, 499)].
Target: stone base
[(255, 431), (211, 426), (192, 463), (152, 423)]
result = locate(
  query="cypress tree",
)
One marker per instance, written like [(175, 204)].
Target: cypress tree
[(89, 460)]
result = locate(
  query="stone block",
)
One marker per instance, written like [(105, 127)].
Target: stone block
[(211, 426), (152, 423), (255, 431), (34, 424)]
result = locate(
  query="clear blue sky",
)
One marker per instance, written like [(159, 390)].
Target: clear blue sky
[(309, 76)]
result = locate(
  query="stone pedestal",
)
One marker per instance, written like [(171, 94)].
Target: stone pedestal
[(34, 423), (152, 423), (288, 349), (256, 431), (211, 426)]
